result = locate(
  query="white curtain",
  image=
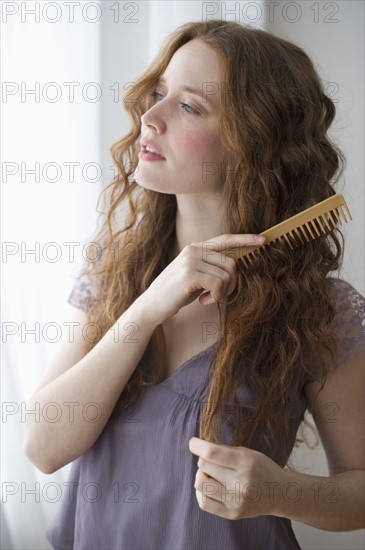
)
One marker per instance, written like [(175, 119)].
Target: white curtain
[(101, 47), (45, 132)]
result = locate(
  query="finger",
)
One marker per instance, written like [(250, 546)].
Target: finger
[(235, 239), (213, 265), (224, 268), (219, 492), (225, 242), (223, 474), (217, 454), (211, 256), (209, 504), (209, 262), (206, 298), (213, 279), (208, 485), (223, 281)]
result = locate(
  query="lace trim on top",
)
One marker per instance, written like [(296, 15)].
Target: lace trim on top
[(83, 294), (348, 323)]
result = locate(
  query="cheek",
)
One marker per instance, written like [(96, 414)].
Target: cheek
[(199, 145)]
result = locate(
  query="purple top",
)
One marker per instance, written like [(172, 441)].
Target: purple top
[(134, 488)]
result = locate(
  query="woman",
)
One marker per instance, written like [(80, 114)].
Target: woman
[(187, 399)]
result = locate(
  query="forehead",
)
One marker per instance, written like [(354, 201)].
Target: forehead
[(195, 65)]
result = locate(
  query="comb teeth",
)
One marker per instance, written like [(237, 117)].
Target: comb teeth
[(306, 226)]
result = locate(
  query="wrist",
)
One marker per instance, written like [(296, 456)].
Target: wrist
[(286, 493), (144, 311)]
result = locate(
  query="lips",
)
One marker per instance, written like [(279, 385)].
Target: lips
[(145, 142)]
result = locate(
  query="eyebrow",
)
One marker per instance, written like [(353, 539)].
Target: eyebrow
[(190, 89)]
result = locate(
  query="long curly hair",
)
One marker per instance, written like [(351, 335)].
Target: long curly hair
[(274, 122)]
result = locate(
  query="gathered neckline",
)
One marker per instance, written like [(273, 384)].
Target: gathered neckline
[(187, 362)]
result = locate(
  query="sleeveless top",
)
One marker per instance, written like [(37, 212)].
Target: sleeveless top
[(134, 488)]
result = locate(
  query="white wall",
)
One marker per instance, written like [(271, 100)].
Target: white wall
[(332, 33)]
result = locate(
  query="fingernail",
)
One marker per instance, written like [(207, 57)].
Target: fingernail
[(259, 239)]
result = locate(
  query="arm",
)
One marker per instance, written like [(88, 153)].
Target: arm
[(238, 482), (335, 503), (74, 384), (101, 375)]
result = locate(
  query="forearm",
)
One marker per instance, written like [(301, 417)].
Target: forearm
[(96, 381), (334, 503)]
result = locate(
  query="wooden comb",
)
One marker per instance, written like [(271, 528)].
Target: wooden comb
[(310, 224)]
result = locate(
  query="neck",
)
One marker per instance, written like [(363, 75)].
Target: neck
[(199, 217)]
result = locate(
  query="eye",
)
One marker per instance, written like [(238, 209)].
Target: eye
[(154, 94), (191, 110)]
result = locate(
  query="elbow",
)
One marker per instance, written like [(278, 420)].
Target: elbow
[(37, 458)]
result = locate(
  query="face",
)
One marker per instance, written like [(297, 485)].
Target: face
[(184, 126)]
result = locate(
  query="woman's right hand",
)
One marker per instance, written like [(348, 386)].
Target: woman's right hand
[(201, 266)]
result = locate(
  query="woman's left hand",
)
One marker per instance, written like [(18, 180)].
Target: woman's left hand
[(236, 482)]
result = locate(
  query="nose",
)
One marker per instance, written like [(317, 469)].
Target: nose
[(154, 117)]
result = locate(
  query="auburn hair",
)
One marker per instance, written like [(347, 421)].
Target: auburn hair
[(274, 120)]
